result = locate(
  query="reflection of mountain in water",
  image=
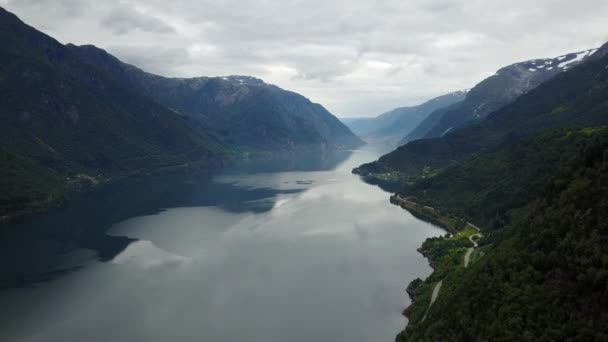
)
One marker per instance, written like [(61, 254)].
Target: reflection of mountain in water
[(46, 246), (304, 162)]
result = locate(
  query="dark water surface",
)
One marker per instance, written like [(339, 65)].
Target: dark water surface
[(309, 253)]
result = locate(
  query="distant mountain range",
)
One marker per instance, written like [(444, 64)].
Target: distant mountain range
[(72, 115), (393, 125), (443, 114)]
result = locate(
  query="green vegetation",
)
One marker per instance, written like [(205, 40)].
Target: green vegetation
[(27, 187), (541, 272), (485, 189), (575, 98), (61, 117), (451, 223), (67, 111), (446, 255), (533, 176), (546, 280)]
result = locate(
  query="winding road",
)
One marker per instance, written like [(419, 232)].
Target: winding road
[(433, 296), (470, 250), (467, 257)]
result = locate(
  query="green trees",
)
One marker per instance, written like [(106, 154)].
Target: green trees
[(546, 279)]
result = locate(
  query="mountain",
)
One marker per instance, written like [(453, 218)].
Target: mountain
[(242, 112), (63, 121), (541, 269), (502, 88), (397, 123), (72, 116), (576, 97), (532, 176)]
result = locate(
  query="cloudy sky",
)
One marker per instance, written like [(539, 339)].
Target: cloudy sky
[(356, 57)]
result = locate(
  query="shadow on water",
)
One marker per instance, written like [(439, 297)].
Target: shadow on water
[(52, 244)]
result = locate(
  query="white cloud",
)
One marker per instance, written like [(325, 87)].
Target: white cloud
[(354, 57)]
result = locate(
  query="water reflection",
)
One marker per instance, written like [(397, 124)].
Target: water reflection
[(262, 255), (50, 245)]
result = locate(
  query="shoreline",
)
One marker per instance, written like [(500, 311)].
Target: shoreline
[(84, 182), (439, 251)]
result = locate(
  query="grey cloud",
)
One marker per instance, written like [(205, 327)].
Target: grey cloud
[(123, 19), (155, 59), (61, 7), (356, 57)]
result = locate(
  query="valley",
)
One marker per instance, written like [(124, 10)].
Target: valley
[(163, 177)]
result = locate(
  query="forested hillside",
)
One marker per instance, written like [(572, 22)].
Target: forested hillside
[(532, 176), (63, 121), (543, 276), (74, 116), (576, 97)]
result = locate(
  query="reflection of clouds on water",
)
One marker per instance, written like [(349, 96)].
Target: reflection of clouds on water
[(280, 202), (329, 230), (146, 254), (253, 250)]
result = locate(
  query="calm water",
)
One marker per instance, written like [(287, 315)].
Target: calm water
[(307, 254)]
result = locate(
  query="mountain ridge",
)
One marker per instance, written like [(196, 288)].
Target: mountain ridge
[(573, 97), (393, 125), (496, 91), (238, 110), (71, 117)]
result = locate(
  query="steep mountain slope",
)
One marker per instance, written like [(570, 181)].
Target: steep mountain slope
[(398, 122), (486, 188), (427, 124), (240, 111), (543, 269), (61, 117), (73, 115), (576, 97), (494, 92)]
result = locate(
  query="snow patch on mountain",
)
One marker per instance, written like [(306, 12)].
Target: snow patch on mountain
[(243, 80), (579, 57)]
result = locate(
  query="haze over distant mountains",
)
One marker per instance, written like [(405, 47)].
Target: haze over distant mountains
[(393, 125), (443, 114), (570, 97)]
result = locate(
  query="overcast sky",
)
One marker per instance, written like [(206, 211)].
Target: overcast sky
[(357, 58)]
